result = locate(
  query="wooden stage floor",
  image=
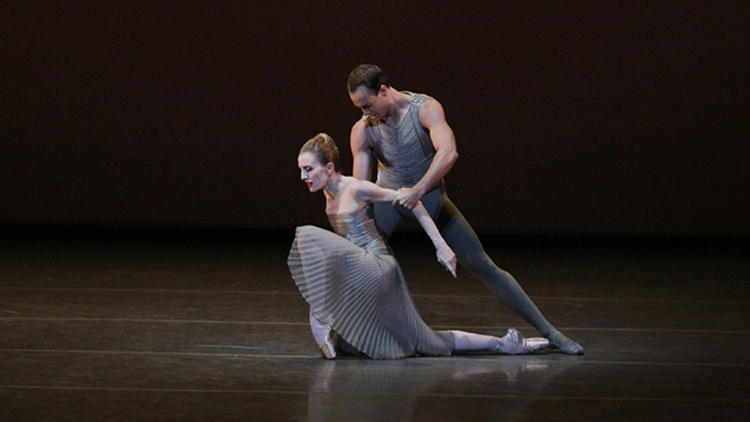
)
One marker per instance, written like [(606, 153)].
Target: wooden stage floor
[(154, 325)]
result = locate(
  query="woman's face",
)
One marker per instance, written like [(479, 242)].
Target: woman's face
[(312, 171)]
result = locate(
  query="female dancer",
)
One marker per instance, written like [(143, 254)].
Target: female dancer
[(353, 283)]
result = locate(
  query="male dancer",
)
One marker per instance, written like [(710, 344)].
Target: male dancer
[(415, 148)]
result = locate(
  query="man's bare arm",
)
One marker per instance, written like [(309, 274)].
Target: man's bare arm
[(432, 117), (361, 152)]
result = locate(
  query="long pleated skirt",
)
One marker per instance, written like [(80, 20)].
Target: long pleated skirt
[(362, 296)]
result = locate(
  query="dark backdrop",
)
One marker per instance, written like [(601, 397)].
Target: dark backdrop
[(604, 118)]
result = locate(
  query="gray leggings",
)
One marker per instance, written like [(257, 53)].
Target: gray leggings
[(469, 251)]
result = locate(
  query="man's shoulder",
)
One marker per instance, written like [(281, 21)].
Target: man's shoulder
[(430, 110), (419, 97), (359, 136)]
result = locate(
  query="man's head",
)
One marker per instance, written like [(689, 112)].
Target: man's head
[(368, 75), (368, 90)]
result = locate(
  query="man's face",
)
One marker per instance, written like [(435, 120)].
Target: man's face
[(371, 103)]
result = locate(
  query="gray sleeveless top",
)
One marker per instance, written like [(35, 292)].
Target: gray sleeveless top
[(405, 152), (359, 228)]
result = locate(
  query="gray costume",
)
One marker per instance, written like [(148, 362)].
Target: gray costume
[(355, 286), (404, 155)]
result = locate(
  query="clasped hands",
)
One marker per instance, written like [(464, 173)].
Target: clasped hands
[(407, 197)]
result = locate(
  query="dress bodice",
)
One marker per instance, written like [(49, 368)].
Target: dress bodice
[(359, 228)]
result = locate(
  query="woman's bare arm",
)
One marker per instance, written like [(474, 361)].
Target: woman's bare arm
[(445, 254), (370, 192)]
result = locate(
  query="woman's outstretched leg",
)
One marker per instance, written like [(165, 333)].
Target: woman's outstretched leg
[(512, 343)]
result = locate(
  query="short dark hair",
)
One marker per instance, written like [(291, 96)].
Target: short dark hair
[(367, 75), (324, 149)]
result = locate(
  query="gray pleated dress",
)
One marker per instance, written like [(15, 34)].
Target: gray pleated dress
[(354, 285)]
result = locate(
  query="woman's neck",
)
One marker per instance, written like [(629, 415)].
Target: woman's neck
[(333, 186)]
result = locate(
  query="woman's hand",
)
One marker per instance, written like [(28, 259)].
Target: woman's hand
[(447, 259)]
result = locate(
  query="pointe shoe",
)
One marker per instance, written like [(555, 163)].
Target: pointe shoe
[(322, 335), (512, 343), (558, 340), (329, 352), (533, 344)]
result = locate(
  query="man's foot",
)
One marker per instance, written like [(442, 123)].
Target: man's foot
[(558, 340)]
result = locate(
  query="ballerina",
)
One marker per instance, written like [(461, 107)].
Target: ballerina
[(354, 285)]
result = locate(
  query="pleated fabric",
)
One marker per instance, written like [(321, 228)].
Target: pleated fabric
[(356, 287)]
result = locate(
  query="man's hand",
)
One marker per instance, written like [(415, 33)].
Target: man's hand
[(408, 197)]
